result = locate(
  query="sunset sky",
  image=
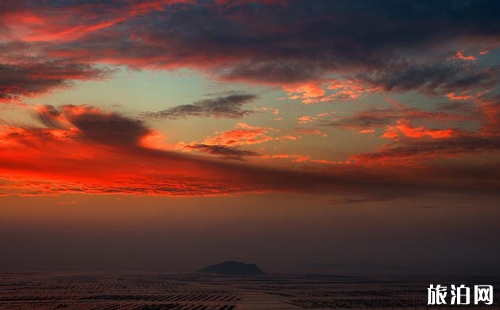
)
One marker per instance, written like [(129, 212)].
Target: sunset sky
[(167, 135)]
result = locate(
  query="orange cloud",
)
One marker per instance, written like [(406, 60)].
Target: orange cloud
[(227, 143), (306, 119), (308, 92), (310, 131), (461, 56), (274, 111), (341, 90), (366, 131), (454, 96), (311, 119), (288, 138), (405, 129), (466, 95), (243, 134), (349, 89)]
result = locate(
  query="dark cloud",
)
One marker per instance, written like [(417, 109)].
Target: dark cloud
[(228, 106), (30, 79), (285, 44), (400, 42), (108, 128), (93, 123), (434, 79), (410, 150), (224, 151), (274, 71), (365, 199), (459, 107), (374, 118)]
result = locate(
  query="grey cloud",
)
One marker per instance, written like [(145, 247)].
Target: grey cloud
[(228, 106), (224, 151), (374, 118), (29, 79), (432, 78), (110, 128), (380, 197), (402, 42), (465, 144)]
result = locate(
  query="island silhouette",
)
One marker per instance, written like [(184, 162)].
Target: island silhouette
[(233, 268)]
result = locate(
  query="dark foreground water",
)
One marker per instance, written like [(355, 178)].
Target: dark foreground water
[(202, 292)]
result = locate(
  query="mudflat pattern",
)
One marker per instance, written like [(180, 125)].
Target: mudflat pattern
[(44, 291)]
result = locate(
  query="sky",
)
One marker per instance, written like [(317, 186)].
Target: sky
[(166, 135)]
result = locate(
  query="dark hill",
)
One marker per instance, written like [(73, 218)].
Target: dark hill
[(233, 268)]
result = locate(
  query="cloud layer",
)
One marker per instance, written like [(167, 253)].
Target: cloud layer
[(97, 151), (413, 45), (317, 52)]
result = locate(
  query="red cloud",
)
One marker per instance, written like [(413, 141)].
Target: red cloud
[(88, 150), (39, 24), (428, 144), (491, 115), (92, 153), (78, 159)]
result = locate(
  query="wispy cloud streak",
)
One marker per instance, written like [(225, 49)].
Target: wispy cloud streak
[(228, 106)]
